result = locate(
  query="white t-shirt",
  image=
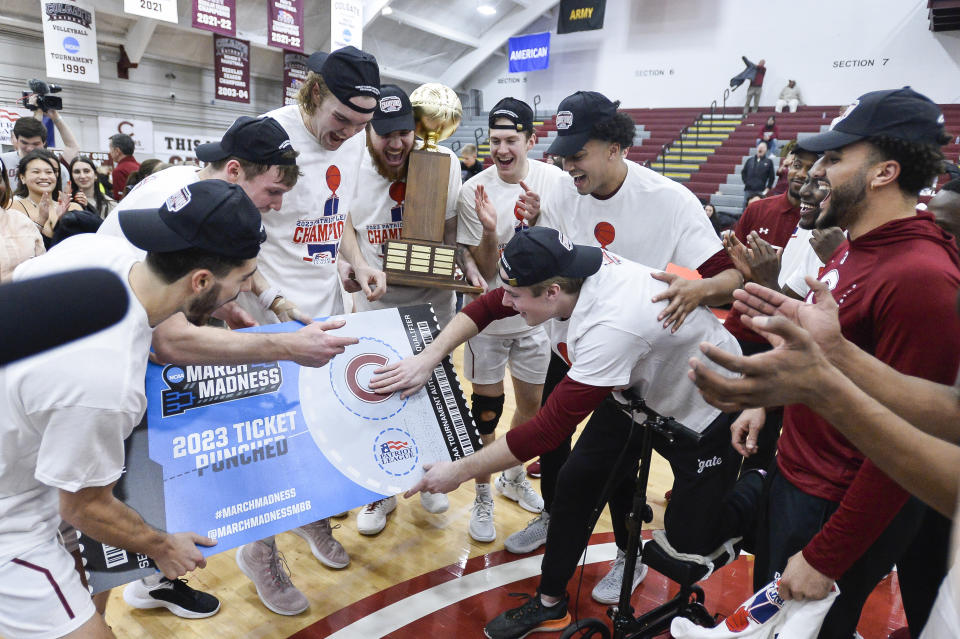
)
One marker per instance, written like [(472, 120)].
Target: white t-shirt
[(377, 214), (149, 193), (651, 220), (613, 339), (541, 178), (303, 237), (67, 411), (798, 261)]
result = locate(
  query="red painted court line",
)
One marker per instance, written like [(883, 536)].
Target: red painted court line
[(724, 592)]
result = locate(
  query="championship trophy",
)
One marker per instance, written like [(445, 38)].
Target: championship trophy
[(420, 258)]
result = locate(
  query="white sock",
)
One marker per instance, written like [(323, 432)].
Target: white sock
[(483, 490), (513, 474), (548, 605), (153, 580)]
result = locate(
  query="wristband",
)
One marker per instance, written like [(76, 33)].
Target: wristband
[(268, 296)]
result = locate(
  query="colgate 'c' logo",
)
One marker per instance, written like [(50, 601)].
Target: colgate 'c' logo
[(359, 390)]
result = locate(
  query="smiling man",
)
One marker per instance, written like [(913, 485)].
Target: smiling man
[(494, 206), (67, 412), (615, 343)]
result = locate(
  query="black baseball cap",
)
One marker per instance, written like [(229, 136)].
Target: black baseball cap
[(259, 140), (903, 114), (394, 111), (576, 116), (539, 253), (211, 215), (348, 72), (517, 111)]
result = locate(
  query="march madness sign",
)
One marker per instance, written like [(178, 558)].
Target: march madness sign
[(239, 453)]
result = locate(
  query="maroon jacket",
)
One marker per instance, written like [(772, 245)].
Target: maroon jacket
[(121, 172), (896, 287)]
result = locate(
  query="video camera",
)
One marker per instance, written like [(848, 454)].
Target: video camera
[(45, 101)]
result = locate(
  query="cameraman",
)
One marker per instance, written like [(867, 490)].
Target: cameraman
[(30, 134)]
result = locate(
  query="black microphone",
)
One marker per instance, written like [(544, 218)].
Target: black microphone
[(46, 312)]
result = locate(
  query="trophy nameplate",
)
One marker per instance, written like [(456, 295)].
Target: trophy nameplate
[(420, 258)]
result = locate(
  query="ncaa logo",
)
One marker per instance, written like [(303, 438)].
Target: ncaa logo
[(396, 452), (564, 120), (390, 104), (71, 45), (174, 375), (178, 200)]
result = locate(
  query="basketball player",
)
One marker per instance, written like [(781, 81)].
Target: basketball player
[(493, 206)]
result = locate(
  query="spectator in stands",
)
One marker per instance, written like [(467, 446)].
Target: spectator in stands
[(39, 196), (21, 238), (770, 135), (754, 73), (789, 96), (87, 191), (711, 212), (121, 152), (469, 164), (148, 167), (758, 174), (29, 134)]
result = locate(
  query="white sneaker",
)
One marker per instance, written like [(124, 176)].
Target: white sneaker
[(520, 491), (608, 590), (373, 518), (531, 537), (481, 519), (434, 503)]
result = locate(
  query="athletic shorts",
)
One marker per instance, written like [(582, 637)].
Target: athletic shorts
[(485, 357), (41, 594)]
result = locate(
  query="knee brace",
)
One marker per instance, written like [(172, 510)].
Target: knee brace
[(480, 404)]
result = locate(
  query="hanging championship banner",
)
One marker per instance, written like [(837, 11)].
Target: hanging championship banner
[(239, 453), (294, 75), (165, 10), (140, 130), (580, 15), (285, 24), (529, 52), (70, 40), (219, 16), (231, 68), (346, 24)]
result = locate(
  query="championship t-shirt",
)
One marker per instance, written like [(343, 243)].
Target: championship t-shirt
[(303, 237), (650, 220), (798, 261), (613, 339), (149, 193), (505, 197), (377, 214), (66, 412)]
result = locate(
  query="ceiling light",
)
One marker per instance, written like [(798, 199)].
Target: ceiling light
[(386, 11), (486, 9)]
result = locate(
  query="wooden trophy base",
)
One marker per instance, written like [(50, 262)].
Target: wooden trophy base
[(423, 263)]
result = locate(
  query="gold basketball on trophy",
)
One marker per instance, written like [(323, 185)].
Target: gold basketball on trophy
[(437, 112)]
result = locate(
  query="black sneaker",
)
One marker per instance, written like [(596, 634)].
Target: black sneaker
[(176, 596), (532, 616)]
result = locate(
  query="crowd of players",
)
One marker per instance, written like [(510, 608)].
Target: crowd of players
[(290, 212)]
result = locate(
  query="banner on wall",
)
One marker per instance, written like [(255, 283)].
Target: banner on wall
[(235, 452), (294, 74), (140, 130), (529, 52), (165, 10), (219, 16), (580, 15), (70, 40), (346, 24), (177, 147), (285, 24), (9, 117), (231, 68)]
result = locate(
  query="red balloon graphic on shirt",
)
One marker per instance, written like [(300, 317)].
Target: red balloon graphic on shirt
[(331, 206), (605, 234), (522, 222)]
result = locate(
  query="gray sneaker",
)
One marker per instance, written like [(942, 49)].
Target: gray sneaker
[(324, 547), (531, 537), (267, 569), (608, 590), (520, 491), (481, 519)]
